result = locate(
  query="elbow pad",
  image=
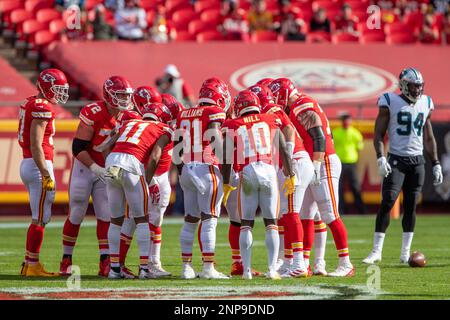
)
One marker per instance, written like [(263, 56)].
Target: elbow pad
[(318, 137), (79, 145)]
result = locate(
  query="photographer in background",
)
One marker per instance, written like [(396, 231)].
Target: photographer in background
[(172, 83)]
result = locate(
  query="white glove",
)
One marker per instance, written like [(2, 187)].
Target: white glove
[(437, 175), (384, 168), (114, 173), (99, 171), (290, 148), (316, 176)]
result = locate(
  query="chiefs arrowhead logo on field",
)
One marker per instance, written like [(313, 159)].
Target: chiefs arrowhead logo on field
[(329, 81)]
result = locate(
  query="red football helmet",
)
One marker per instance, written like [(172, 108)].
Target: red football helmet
[(263, 92), (213, 94), (222, 86), (53, 85), (117, 92), (246, 101), (143, 96), (282, 89), (174, 106), (156, 111), (265, 81)]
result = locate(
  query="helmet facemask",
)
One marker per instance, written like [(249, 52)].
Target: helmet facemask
[(122, 98), (60, 93), (412, 90)]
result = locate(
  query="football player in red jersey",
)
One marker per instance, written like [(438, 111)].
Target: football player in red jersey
[(132, 162), (36, 131), (249, 141), (200, 178), (312, 125), (97, 120), (293, 264), (175, 107)]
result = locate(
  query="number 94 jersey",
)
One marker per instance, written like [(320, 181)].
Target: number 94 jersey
[(406, 123)]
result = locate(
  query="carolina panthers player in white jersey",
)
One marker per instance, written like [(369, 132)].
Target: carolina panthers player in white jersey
[(406, 119)]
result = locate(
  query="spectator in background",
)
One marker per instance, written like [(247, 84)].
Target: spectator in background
[(114, 5), (258, 18), (131, 21), (446, 28), (159, 30), (101, 30), (347, 22), (441, 6), (233, 25), (172, 83), (320, 22), (348, 142), (292, 26), (429, 33), (64, 4)]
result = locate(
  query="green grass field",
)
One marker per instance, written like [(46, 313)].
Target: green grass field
[(397, 281)]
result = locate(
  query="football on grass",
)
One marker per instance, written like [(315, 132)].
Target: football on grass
[(417, 259)]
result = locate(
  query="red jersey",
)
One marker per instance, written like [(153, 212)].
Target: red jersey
[(285, 121), (97, 115), (194, 122), (138, 138), (303, 104), (34, 108), (125, 116), (253, 137)]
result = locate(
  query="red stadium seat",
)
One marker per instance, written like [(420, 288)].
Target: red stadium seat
[(372, 37), (360, 5), (401, 38), (181, 18), (318, 36), (148, 5), (30, 27), (209, 36), (44, 37), (211, 15), (245, 5), (259, 36), (36, 5), (344, 37), (397, 27), (150, 17), (184, 36), (328, 5), (91, 4), (197, 26), (361, 15), (201, 6), (19, 16), (6, 7), (174, 5), (47, 15), (57, 26)]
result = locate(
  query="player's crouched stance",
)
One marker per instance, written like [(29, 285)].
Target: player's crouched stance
[(133, 162), (36, 131), (252, 135)]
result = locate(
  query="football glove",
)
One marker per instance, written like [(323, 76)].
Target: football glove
[(113, 173), (99, 171), (289, 185), (227, 189), (316, 176), (48, 184), (437, 175), (384, 168), (155, 195)]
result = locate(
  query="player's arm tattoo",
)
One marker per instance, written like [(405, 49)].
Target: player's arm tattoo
[(285, 157), (37, 132), (155, 156), (430, 142), (381, 126), (309, 119)]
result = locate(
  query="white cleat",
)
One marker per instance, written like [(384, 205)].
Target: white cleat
[(157, 270), (319, 268), (285, 267), (404, 258), (345, 270), (373, 257), (247, 275), (188, 272), (114, 275), (212, 274), (145, 274), (278, 264), (273, 275)]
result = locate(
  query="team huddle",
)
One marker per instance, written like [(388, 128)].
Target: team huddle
[(270, 149)]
